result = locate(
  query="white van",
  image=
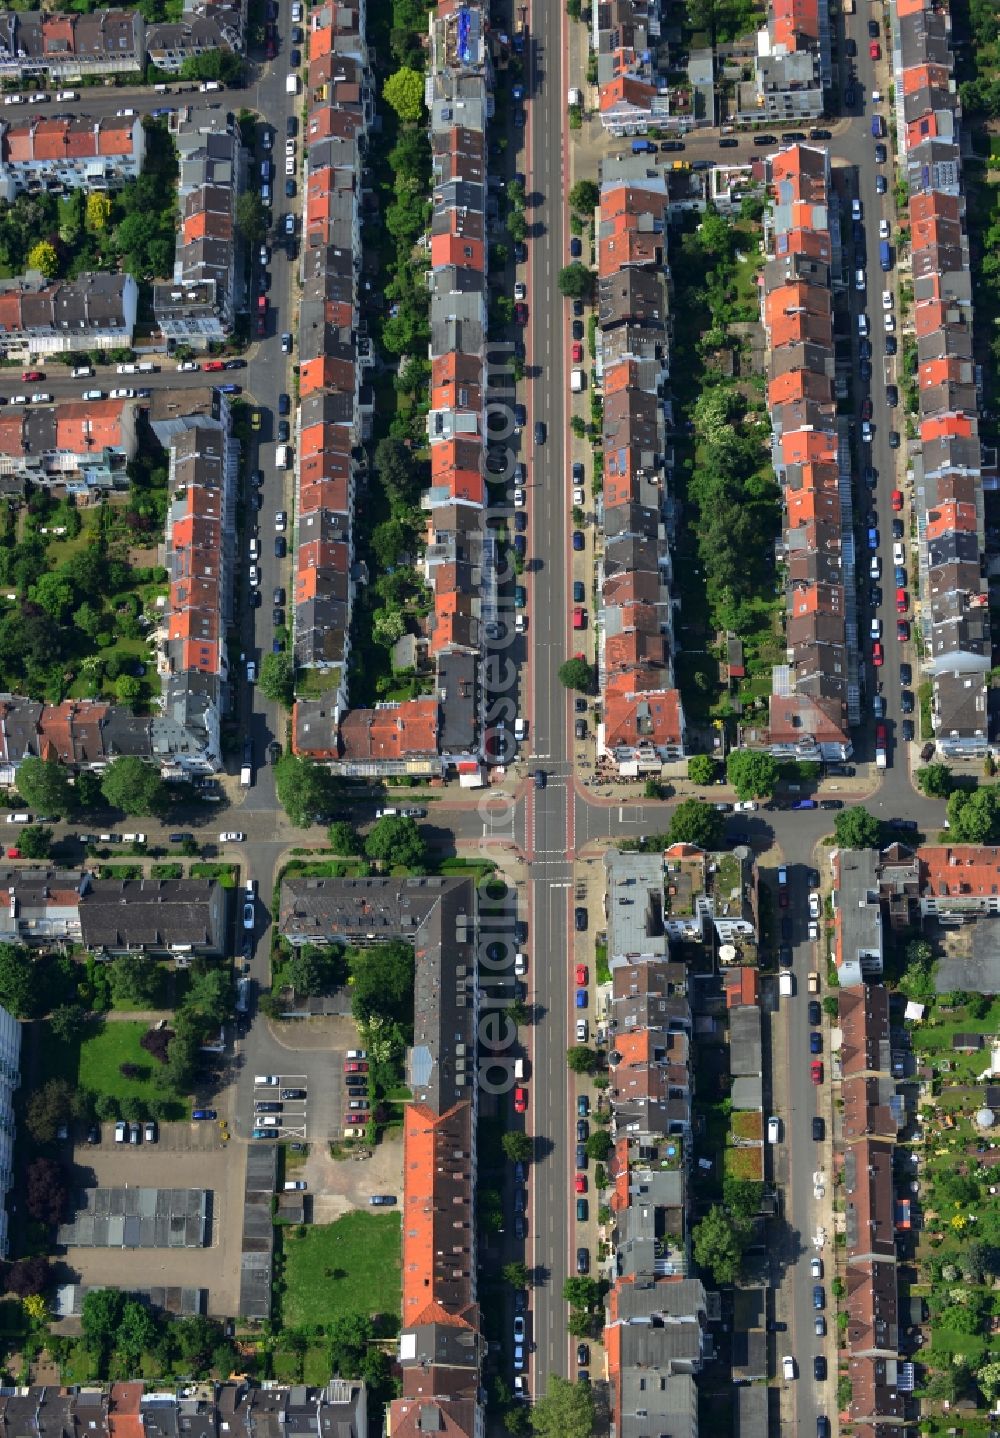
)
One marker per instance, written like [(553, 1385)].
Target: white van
[(281, 456), (577, 381), (127, 368), (786, 984), (519, 1068), (773, 1130), (18, 818), (520, 728)]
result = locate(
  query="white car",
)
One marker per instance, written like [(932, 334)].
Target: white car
[(123, 394), (295, 1185), (66, 95), (578, 496), (520, 291), (289, 164), (863, 326), (814, 931), (188, 367), (296, 12), (133, 838), (855, 209), (19, 399), (875, 567), (889, 321), (248, 914), (289, 147), (39, 98), (883, 229), (231, 836), (875, 628), (816, 1264), (814, 906), (121, 1129), (745, 806), (518, 493), (280, 522), (773, 1130), (41, 398), (898, 554), (520, 624), (82, 371), (254, 576), (582, 1031), (887, 299), (788, 1363), (13, 99), (93, 394), (520, 965), (125, 114)]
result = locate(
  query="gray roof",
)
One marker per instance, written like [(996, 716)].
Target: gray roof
[(744, 1041), (154, 914), (635, 904), (751, 1411), (979, 971), (860, 914)]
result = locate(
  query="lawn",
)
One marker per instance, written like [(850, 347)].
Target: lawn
[(102, 1055), (351, 1266)]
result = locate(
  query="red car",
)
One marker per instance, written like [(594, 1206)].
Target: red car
[(33, 374), (262, 304), (13, 853), (783, 897), (902, 600), (866, 407), (581, 976), (881, 736), (875, 50), (897, 500), (878, 658), (260, 327), (520, 313), (903, 630), (520, 1100), (270, 46), (580, 1183), (816, 1070), (577, 353), (354, 1066), (212, 365), (356, 1119), (579, 618)]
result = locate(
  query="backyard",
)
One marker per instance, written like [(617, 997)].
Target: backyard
[(351, 1266)]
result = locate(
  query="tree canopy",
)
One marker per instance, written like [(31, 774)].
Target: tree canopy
[(575, 281), (566, 1411), (974, 817), (304, 788), (382, 982), (856, 828), (695, 822), (404, 91), (35, 841), (584, 197), (577, 674), (277, 678), (134, 787), (701, 769), (935, 780), (18, 993), (753, 773), (396, 839), (719, 1242), (583, 1060)]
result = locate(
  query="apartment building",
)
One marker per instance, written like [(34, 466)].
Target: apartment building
[(199, 541), (69, 152), (946, 459), (642, 720), (441, 1347), (80, 447), (205, 25), (816, 692), (793, 70), (10, 1078), (198, 304), (67, 47), (39, 318)]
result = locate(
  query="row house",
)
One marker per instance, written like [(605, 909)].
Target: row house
[(655, 1333), (946, 459), (237, 1409), (39, 318), (815, 693), (203, 27), (197, 305), (70, 152), (335, 395), (793, 70), (873, 1112), (642, 718), (425, 736), (80, 733), (67, 47), (200, 559), (80, 447), (634, 94)]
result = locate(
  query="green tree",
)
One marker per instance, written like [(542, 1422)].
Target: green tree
[(67, 1022), (600, 1146), (348, 1340), (577, 674), (382, 982), (583, 1060), (575, 281), (719, 1243), (988, 1378), (18, 992), (277, 678), (304, 789), (44, 785), (404, 91), (54, 593), (135, 981), (752, 773), (856, 828), (566, 1411), (251, 217), (935, 781), (742, 1197), (87, 792), (44, 257), (695, 822), (517, 1146), (701, 769), (136, 1332), (584, 197), (48, 1108), (344, 838), (128, 690), (314, 970), (516, 1274), (98, 212), (100, 1317), (134, 787), (35, 841), (397, 840), (974, 818)]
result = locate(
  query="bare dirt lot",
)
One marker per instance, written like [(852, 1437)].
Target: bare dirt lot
[(187, 1156)]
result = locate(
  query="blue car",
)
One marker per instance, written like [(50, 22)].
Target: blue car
[(578, 540), (581, 998), (230, 388), (873, 539), (815, 1043), (204, 1113)]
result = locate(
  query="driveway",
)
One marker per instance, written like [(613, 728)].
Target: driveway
[(187, 1156)]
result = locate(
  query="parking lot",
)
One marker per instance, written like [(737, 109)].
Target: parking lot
[(279, 1105), (307, 1055), (188, 1155)]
